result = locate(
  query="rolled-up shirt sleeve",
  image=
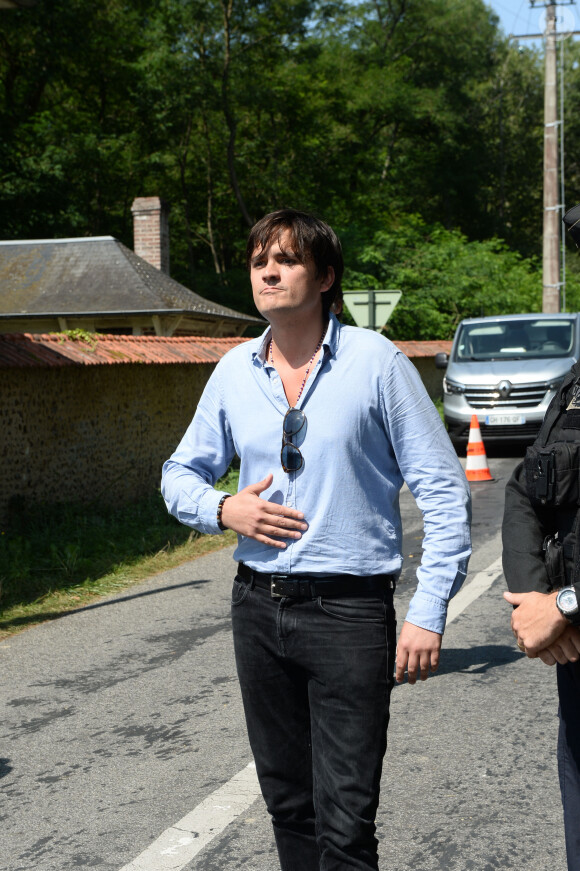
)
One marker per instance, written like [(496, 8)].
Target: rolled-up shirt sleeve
[(434, 475), (201, 458)]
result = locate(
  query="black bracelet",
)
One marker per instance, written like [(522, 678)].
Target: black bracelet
[(219, 511)]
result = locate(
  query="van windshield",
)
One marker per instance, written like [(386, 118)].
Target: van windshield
[(513, 340)]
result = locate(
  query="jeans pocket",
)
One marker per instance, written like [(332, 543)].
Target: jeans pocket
[(354, 609), (239, 592)]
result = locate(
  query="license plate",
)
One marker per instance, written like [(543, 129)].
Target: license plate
[(505, 419)]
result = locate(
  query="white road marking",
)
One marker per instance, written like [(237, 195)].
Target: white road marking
[(471, 591), (179, 844)]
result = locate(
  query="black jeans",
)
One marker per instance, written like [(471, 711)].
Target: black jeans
[(316, 677), (569, 758)]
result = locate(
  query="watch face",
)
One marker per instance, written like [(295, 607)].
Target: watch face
[(567, 601)]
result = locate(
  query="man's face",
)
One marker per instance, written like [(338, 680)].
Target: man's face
[(282, 285)]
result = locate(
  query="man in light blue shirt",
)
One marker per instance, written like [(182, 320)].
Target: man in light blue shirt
[(328, 422)]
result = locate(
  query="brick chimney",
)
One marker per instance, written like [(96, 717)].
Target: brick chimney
[(151, 231)]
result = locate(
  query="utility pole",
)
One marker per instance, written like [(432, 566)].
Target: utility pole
[(552, 206)]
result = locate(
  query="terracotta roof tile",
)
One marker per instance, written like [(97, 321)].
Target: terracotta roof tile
[(424, 349), (59, 349)]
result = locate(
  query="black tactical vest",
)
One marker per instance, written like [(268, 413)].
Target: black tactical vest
[(552, 472)]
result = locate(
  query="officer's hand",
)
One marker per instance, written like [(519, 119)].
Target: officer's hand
[(536, 621), (565, 649), (257, 518), (417, 652), (546, 657)]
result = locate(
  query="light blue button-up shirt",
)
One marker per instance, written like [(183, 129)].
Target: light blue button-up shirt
[(370, 427)]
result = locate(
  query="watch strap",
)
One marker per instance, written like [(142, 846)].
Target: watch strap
[(575, 618)]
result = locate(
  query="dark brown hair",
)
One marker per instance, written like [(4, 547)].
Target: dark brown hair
[(311, 239)]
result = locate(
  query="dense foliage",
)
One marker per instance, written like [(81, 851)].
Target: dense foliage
[(413, 126)]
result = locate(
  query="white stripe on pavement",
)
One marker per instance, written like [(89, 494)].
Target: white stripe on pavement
[(179, 844), (471, 591)]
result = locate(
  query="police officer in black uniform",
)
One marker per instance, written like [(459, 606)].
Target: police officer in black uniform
[(541, 560)]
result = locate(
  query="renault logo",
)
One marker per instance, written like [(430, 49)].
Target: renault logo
[(504, 389)]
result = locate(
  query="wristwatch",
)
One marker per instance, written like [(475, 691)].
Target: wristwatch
[(567, 604)]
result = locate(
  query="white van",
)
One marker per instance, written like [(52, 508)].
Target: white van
[(505, 370)]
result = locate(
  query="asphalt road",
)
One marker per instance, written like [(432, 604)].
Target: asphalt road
[(120, 719)]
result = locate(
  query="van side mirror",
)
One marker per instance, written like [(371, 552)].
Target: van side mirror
[(441, 360)]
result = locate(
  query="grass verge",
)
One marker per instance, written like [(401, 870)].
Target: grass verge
[(58, 558)]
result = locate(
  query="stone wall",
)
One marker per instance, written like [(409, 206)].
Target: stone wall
[(84, 433), (431, 377), (101, 433)]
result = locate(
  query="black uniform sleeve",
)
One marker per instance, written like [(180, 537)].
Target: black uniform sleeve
[(523, 534)]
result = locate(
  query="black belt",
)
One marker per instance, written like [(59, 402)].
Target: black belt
[(309, 587)]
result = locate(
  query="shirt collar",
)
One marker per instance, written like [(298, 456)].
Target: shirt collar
[(260, 352), (330, 341), (332, 334)]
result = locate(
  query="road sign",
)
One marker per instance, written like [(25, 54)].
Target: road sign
[(371, 308)]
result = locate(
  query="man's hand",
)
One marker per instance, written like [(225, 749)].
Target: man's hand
[(417, 651), (536, 621), (565, 649), (257, 518)]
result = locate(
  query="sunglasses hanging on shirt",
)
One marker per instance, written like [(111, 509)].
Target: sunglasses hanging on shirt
[(290, 456), (294, 419)]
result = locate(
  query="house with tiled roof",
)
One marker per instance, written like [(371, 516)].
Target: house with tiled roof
[(99, 285)]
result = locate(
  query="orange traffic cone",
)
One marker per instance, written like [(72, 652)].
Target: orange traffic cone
[(476, 467)]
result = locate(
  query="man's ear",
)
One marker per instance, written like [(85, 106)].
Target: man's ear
[(328, 280)]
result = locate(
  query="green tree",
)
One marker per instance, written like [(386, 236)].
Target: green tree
[(407, 74), (208, 69), (366, 112), (68, 152), (572, 121), (444, 277), (510, 197)]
